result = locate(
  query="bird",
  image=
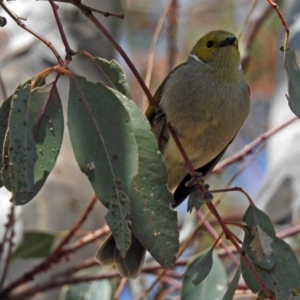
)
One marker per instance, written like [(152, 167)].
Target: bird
[(206, 101)]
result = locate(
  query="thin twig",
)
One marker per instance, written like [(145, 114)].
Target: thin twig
[(255, 26), (120, 288), (165, 292), (58, 283), (282, 234), (56, 280), (89, 238), (66, 251), (172, 36), (283, 21), (105, 13), (108, 14), (215, 236), (160, 274), (229, 235), (246, 20), (191, 238), (88, 13), (12, 12), (78, 224), (69, 51), (295, 229), (74, 268), (163, 272), (54, 257), (21, 24), (233, 189), (8, 240), (246, 165), (151, 55), (248, 149)]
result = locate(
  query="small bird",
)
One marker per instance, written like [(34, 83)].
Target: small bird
[(206, 101)]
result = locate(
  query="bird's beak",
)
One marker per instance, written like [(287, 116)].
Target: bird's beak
[(228, 41)]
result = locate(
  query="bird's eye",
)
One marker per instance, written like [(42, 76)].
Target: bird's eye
[(209, 44)]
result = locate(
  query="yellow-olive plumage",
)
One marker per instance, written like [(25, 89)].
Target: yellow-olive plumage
[(206, 101)]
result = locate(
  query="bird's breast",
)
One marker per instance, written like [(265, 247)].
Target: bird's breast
[(205, 112)]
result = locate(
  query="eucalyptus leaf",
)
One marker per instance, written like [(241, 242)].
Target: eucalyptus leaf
[(92, 290), (34, 244), (293, 75), (202, 266), (283, 279), (4, 115), (233, 285), (105, 148), (46, 109), (153, 222), (22, 149), (115, 74), (212, 287), (259, 239), (97, 289), (34, 118)]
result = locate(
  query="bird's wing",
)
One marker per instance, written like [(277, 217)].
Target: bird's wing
[(182, 191), (150, 112), (158, 126)]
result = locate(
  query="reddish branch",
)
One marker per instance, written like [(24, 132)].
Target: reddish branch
[(154, 42), (53, 258), (211, 230), (69, 51), (248, 149), (239, 249), (21, 24), (172, 36), (282, 19)]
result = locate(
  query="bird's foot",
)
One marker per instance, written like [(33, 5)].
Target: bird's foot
[(159, 115), (197, 179)]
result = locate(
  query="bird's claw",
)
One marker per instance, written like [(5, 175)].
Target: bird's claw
[(159, 115), (197, 179)]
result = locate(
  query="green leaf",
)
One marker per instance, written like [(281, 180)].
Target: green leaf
[(4, 115), (196, 200), (6, 167), (116, 218), (214, 285), (34, 245), (47, 114), (283, 279), (153, 222), (258, 241), (100, 289), (22, 150), (293, 75), (105, 148), (233, 285), (97, 289), (38, 112), (115, 74), (201, 265)]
